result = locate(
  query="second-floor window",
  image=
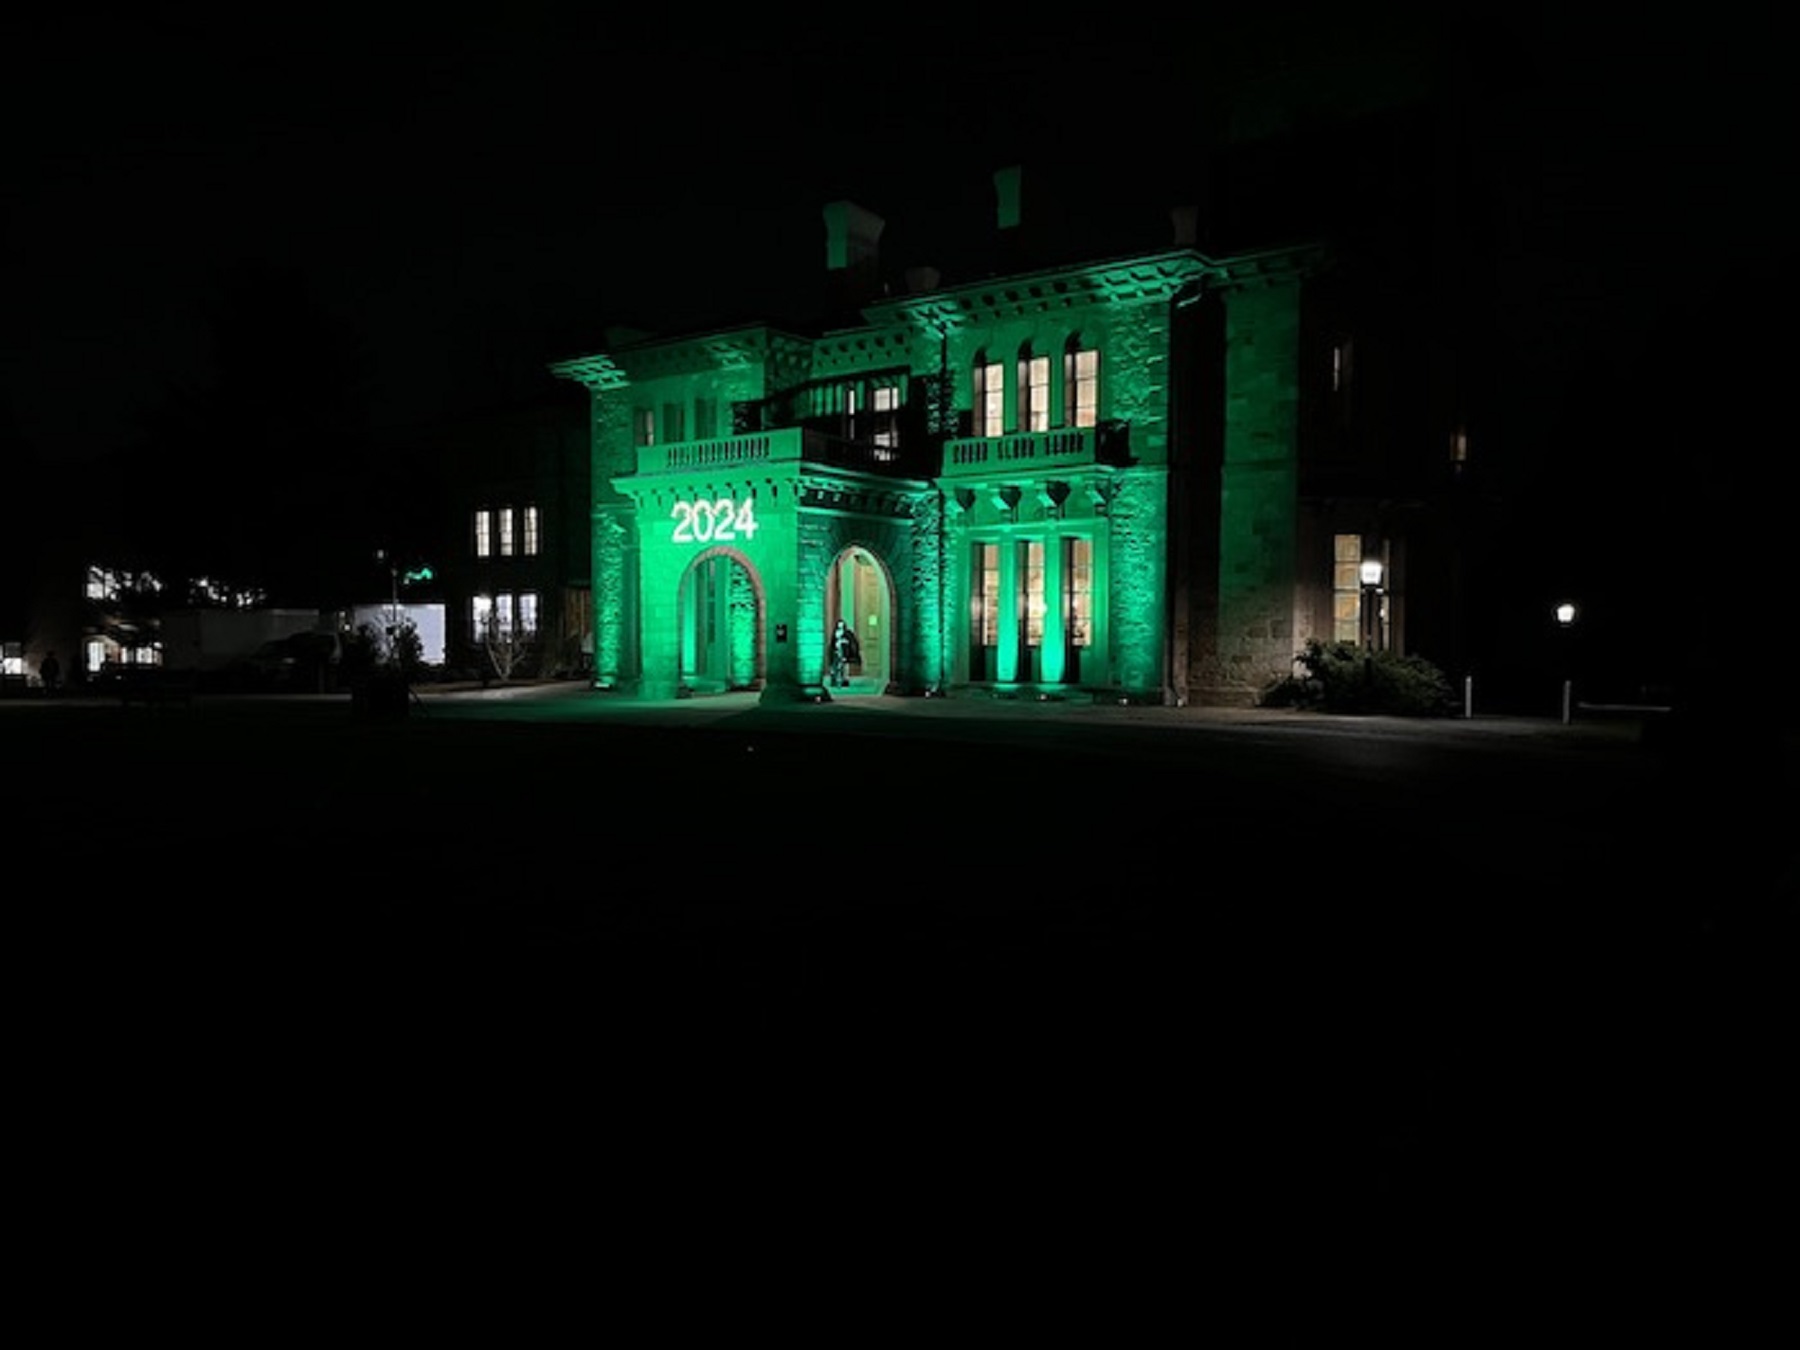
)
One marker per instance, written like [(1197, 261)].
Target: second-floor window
[(643, 426), (528, 527), (484, 533), (505, 518), (1034, 392), (990, 398), (672, 428), (1081, 385)]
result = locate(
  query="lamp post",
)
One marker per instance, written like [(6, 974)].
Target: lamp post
[(1370, 574), (1565, 623)]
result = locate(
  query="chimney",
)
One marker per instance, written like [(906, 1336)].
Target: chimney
[(852, 261), (1009, 190), (1186, 220)]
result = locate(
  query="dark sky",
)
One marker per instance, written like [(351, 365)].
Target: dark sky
[(461, 191)]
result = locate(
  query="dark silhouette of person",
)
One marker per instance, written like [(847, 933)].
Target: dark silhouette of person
[(50, 672), (844, 649)]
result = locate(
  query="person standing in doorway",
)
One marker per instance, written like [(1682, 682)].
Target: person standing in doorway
[(50, 672), (844, 649)]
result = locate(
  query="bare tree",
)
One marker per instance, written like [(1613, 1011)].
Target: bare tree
[(509, 649)]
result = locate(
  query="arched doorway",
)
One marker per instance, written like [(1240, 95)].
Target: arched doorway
[(720, 624), (860, 592)]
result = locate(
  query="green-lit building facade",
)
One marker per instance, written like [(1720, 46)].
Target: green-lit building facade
[(1075, 481)]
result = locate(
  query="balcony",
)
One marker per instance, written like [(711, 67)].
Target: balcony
[(1030, 451), (759, 449)]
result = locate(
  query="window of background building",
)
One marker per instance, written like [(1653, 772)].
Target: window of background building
[(504, 517), (481, 616), (1346, 588), (1078, 591), (1081, 385), (528, 524), (527, 611), (990, 398), (503, 614), (484, 534)]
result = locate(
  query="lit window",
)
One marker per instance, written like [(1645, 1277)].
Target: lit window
[(987, 594), (528, 518), (1459, 447), (887, 408), (1346, 588), (990, 398), (1081, 385), (1340, 365), (1034, 392), (481, 617), (484, 534), (1078, 591), (1031, 588), (503, 615), (528, 611), (505, 517), (12, 658)]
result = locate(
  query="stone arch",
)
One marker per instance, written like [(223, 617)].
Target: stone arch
[(860, 589), (721, 623)]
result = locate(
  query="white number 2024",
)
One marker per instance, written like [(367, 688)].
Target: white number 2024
[(713, 522)]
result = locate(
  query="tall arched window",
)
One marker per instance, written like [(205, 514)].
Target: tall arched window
[(1081, 384), (1034, 391), (990, 397)]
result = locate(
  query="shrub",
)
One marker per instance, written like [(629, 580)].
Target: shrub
[(1341, 677)]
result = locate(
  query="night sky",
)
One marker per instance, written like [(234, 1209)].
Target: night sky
[(447, 205)]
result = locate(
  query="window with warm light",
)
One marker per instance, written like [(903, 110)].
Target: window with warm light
[(504, 518), (528, 525), (987, 595), (1346, 588), (1081, 385), (481, 616), (484, 534), (990, 398), (1078, 591), (527, 603), (1031, 590), (1034, 391), (886, 400)]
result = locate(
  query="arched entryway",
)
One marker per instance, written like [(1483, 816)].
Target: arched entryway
[(860, 592), (720, 624)]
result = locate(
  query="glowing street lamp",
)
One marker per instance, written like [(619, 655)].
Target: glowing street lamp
[(1370, 575), (1565, 622)]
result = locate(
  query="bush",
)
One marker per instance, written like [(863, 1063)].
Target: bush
[(1341, 677)]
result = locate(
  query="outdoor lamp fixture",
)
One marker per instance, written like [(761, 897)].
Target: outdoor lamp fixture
[(1370, 573), (1565, 621)]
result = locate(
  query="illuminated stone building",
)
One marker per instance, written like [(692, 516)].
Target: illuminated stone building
[(1081, 480)]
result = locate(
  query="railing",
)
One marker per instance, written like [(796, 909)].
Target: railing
[(1066, 447), (754, 449)]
